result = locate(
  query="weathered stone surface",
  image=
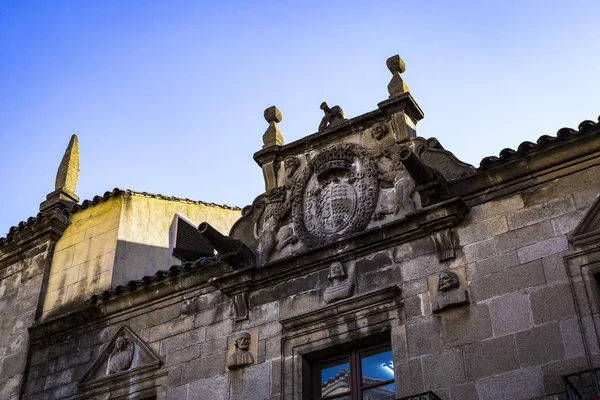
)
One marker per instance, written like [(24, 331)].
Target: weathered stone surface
[(423, 337), (205, 367), (216, 387), (480, 250), (490, 357), (566, 224), (572, 338), (466, 325), (543, 248), (413, 249), (553, 302), (540, 345), (416, 375), (171, 328), (380, 278), (162, 315), (522, 384), (541, 212), (177, 393), (186, 354), (378, 260), (585, 198), (510, 313), (554, 372), (421, 267), (496, 264), (554, 267), (507, 281), (497, 207), (521, 237), (443, 369), (479, 231), (464, 392), (244, 382), (182, 340)]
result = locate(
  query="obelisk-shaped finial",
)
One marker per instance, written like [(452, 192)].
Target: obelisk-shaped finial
[(68, 171), (66, 179)]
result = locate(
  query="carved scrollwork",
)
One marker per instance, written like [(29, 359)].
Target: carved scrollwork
[(335, 195)]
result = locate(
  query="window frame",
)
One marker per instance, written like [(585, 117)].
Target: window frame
[(354, 355)]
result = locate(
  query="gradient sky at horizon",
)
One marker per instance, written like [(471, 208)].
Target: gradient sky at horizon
[(168, 96)]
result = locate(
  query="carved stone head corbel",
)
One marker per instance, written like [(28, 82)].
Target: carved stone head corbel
[(341, 286), (449, 293)]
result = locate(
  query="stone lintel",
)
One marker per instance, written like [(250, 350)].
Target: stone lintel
[(341, 308)]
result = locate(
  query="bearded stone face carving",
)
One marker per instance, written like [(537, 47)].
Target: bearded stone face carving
[(241, 356), (121, 357), (379, 130), (447, 281), (449, 292), (341, 286)]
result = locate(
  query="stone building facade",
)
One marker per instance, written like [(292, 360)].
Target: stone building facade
[(375, 265)]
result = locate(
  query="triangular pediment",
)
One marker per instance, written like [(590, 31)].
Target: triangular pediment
[(588, 229), (123, 357)]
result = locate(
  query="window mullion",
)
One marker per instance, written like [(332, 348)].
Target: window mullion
[(356, 375)]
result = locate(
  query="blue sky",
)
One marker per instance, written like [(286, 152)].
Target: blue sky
[(168, 96)]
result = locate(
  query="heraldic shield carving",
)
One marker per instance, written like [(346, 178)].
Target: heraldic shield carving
[(336, 195)]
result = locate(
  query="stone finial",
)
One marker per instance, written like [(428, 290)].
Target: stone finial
[(272, 136), (68, 171), (396, 87), (66, 179)]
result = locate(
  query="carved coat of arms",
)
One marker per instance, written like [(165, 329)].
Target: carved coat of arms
[(335, 196)]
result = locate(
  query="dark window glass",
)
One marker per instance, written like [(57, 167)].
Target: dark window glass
[(386, 392), (376, 366), (335, 377), (363, 374)]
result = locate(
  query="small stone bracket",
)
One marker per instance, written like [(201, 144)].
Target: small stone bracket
[(240, 306), (396, 65), (444, 244)]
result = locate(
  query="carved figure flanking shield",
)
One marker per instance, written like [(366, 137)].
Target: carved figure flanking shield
[(336, 195)]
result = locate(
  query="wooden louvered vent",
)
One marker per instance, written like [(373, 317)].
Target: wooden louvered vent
[(186, 242)]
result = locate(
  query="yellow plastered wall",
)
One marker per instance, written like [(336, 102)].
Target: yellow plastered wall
[(121, 239), (144, 233), (84, 256)]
